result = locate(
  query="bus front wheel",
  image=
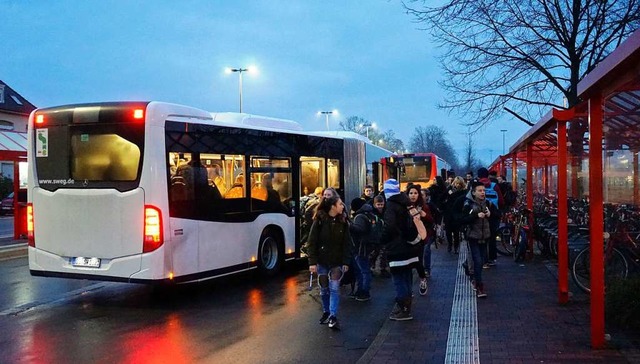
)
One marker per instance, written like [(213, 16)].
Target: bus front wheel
[(270, 254)]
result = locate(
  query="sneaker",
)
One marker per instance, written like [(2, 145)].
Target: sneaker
[(485, 266), (324, 319), (480, 293), (385, 274), (473, 284), (401, 315), (333, 323), (353, 295), (363, 297), (492, 263), (427, 273), (423, 287)]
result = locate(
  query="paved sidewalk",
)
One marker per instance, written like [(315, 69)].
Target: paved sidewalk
[(519, 322)]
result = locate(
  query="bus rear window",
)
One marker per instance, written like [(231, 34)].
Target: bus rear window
[(91, 156)]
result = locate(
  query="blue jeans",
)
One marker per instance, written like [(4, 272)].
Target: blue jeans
[(363, 274), (402, 279), (426, 254), (479, 255), (330, 294)]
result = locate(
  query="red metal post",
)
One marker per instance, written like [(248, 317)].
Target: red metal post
[(17, 217), (514, 171), (596, 223), (563, 248), (636, 191), (530, 197)]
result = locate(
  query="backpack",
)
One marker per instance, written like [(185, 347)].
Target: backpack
[(374, 236), (508, 194), (491, 194)]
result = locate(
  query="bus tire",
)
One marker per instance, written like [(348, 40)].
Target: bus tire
[(270, 253)]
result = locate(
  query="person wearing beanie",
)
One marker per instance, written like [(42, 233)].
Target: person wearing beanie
[(398, 231)]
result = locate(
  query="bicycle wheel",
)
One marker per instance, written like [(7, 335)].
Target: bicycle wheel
[(504, 241), (580, 269), (616, 267)]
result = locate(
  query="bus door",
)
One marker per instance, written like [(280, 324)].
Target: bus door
[(313, 176)]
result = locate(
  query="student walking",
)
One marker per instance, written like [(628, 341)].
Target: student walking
[(476, 214), (423, 248), (366, 231), (329, 254), (403, 229)]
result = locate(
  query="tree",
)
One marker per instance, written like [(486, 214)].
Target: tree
[(389, 141), (521, 56), (432, 139), (353, 123), (358, 125), (470, 162)]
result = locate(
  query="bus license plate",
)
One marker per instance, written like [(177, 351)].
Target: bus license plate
[(85, 262)]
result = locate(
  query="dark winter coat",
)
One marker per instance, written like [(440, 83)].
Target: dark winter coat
[(362, 230), (453, 210), (329, 242), (399, 229), (477, 228)]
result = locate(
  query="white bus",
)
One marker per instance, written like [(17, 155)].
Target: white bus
[(156, 192)]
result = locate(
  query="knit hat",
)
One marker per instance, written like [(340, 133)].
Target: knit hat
[(391, 187), (483, 173)]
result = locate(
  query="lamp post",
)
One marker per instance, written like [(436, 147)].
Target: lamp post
[(503, 134), (239, 71), (326, 115), (367, 125)]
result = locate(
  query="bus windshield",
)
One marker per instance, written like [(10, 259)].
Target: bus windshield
[(105, 153)]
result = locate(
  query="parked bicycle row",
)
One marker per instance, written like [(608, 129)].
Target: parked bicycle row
[(622, 236)]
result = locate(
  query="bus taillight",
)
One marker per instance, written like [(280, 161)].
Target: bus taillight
[(40, 119), (138, 113), (152, 229), (30, 237)]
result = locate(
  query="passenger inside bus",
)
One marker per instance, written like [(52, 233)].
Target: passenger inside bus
[(215, 178), (237, 190)]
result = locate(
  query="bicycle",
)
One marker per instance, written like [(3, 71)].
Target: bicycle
[(620, 251)]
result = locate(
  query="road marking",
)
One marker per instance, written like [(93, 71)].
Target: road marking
[(462, 343)]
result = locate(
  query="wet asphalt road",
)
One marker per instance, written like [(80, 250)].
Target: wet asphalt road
[(245, 318)]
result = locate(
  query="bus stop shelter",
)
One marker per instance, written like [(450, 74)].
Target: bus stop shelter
[(588, 152)]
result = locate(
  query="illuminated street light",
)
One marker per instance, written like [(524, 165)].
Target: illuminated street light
[(326, 115), (251, 69), (367, 125)]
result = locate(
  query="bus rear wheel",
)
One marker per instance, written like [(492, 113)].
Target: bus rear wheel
[(270, 254)]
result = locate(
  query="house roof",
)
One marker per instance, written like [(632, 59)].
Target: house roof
[(12, 102)]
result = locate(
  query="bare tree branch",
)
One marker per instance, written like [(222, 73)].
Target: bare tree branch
[(521, 56)]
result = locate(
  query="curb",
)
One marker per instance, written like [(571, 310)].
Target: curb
[(13, 251)]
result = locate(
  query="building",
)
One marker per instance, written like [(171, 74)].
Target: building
[(14, 116)]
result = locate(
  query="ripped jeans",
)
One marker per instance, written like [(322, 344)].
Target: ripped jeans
[(329, 281)]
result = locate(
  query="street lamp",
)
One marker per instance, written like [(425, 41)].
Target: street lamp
[(503, 133), (367, 125), (251, 69), (326, 115)]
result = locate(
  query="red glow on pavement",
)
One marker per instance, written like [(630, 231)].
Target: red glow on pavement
[(164, 343)]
